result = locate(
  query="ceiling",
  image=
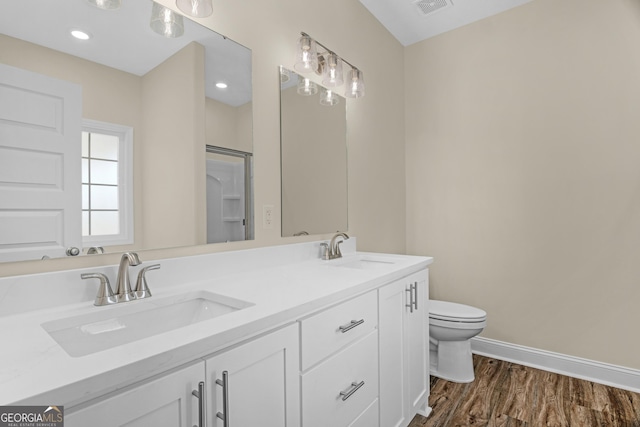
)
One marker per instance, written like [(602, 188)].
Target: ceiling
[(411, 21), (122, 39)]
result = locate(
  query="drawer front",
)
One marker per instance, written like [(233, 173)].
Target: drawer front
[(369, 418), (325, 333), (337, 391)]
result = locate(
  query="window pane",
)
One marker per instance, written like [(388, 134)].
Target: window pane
[(85, 170), (104, 172), (104, 197), (85, 223), (85, 144), (104, 223), (104, 146), (85, 196)]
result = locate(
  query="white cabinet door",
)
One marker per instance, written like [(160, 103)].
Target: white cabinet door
[(262, 382), (391, 352), (404, 355), (417, 347), (164, 402), (40, 183)]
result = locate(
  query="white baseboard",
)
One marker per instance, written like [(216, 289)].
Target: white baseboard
[(602, 373)]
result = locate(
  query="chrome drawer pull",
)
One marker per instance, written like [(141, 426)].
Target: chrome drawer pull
[(351, 325), (410, 305), (224, 383), (199, 393), (354, 387), (415, 298)]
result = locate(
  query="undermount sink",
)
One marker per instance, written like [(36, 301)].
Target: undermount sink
[(112, 326), (363, 262)]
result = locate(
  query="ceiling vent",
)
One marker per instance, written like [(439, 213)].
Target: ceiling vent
[(427, 7)]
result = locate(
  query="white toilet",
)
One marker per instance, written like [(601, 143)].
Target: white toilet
[(451, 327)]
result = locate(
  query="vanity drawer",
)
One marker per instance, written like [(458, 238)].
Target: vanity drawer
[(325, 333), (352, 371), (369, 418)]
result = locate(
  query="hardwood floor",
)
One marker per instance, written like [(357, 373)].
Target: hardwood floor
[(509, 395)]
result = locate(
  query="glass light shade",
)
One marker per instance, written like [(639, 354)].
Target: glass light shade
[(328, 97), (196, 8), (106, 4), (306, 87), (355, 84), (166, 22), (306, 55), (332, 74), (285, 75)]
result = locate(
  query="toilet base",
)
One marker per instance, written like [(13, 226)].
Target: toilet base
[(451, 361)]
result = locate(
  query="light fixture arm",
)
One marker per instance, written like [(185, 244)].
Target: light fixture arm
[(328, 50)]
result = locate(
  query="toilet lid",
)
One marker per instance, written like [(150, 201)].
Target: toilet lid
[(452, 311)]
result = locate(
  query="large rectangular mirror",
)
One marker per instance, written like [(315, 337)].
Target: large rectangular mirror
[(313, 132), (105, 143)]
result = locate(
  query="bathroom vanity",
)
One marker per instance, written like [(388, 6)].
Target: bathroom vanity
[(272, 336)]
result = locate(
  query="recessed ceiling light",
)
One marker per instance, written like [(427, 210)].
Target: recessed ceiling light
[(221, 85), (80, 35)]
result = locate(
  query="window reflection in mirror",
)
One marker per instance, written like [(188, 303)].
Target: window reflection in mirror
[(107, 177), (164, 90), (313, 157)]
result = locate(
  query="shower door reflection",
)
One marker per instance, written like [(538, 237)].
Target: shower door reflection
[(229, 195)]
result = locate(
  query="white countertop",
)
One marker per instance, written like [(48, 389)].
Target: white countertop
[(34, 369)]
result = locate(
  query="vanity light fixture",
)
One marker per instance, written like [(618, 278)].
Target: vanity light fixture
[(166, 22), (355, 84), (328, 97), (80, 34), (196, 8), (306, 87), (329, 65), (306, 55), (221, 85), (332, 73), (106, 4)]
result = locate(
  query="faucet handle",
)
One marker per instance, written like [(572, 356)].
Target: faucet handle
[(324, 248), (105, 293), (142, 289), (95, 250)]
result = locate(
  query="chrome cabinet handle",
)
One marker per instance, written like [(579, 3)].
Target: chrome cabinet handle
[(224, 383), (354, 387), (410, 305), (199, 393), (415, 298), (351, 325)]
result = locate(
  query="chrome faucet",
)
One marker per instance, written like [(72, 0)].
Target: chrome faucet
[(332, 251), (123, 284), (123, 292)]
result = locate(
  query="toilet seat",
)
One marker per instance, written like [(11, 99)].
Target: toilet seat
[(454, 312)]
